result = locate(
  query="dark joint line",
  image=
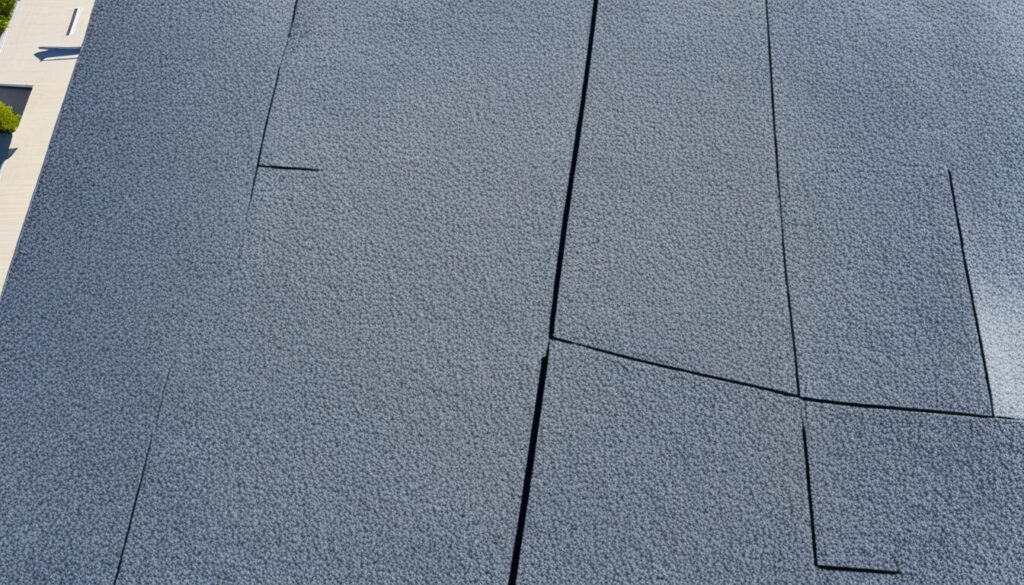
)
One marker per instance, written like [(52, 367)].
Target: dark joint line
[(263, 140), (778, 192), (859, 570), (810, 498), (572, 172), (291, 25), (895, 408), (535, 429), (270, 108), (142, 475), (288, 168), (810, 508), (805, 399), (528, 475), (673, 368), (970, 289), (266, 121)]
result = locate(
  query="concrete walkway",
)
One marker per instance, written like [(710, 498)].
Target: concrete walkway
[(34, 53)]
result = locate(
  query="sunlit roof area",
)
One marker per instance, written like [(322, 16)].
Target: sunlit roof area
[(537, 292)]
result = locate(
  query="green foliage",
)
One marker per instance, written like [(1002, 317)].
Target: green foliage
[(8, 119), (6, 8)]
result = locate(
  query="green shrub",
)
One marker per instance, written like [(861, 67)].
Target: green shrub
[(6, 8), (8, 119)]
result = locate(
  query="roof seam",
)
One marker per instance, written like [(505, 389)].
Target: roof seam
[(270, 108), (806, 399), (970, 291), (572, 174), (142, 475), (778, 191), (535, 428)]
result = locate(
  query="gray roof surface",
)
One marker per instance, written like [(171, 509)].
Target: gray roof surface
[(675, 227), (534, 292)]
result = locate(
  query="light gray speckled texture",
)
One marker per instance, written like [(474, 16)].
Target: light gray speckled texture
[(133, 218), (674, 250), (939, 496), (647, 475), (353, 360), (867, 98), (460, 95), (880, 299), (988, 176), (361, 411), (992, 213)]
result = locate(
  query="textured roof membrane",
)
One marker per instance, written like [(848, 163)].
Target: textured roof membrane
[(537, 292), (674, 250)]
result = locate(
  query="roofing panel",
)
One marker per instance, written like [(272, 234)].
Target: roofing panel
[(674, 250), (134, 218)]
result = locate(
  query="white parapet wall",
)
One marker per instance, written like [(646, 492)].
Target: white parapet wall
[(38, 50)]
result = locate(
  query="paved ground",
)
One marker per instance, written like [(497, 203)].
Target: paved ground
[(537, 292), (37, 51)]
